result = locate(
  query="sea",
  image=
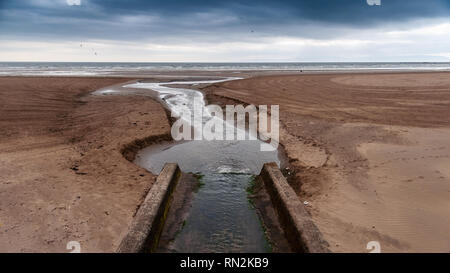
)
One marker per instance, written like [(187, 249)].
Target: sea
[(115, 68)]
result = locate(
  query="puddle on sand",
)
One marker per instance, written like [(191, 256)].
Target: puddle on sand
[(221, 219)]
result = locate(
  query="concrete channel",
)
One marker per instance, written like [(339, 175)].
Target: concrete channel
[(145, 230)]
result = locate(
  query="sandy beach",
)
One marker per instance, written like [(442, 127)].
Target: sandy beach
[(369, 152), (63, 177)]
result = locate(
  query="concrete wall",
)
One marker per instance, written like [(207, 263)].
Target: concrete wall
[(145, 230), (302, 234)]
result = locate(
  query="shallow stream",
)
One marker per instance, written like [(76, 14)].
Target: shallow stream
[(221, 218)]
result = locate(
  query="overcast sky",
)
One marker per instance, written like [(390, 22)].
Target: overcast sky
[(224, 31)]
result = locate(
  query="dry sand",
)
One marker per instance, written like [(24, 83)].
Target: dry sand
[(62, 175), (370, 153)]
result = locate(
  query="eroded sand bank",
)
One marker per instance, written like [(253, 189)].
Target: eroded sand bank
[(62, 175)]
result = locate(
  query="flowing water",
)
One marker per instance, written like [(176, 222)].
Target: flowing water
[(221, 218)]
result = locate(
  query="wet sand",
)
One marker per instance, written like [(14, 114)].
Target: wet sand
[(62, 175), (369, 152)]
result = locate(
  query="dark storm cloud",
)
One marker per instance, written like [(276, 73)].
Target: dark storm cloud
[(168, 18), (342, 11)]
